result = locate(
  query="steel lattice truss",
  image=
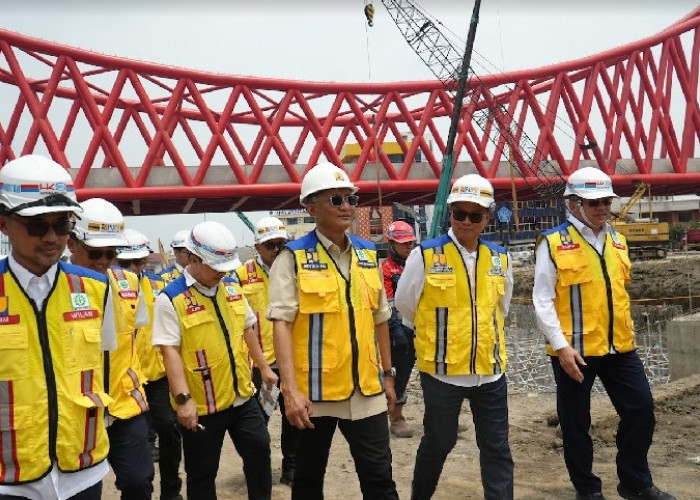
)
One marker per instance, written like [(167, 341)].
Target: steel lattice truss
[(158, 139)]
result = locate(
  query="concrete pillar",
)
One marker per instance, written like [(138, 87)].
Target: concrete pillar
[(683, 345)]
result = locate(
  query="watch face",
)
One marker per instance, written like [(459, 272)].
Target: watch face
[(182, 398)]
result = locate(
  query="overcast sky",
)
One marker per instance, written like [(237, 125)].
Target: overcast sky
[(329, 40)]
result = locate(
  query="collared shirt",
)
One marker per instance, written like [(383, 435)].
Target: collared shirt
[(284, 305), (543, 291), (264, 266), (410, 289), (57, 485)]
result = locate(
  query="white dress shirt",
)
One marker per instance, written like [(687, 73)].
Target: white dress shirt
[(58, 485), (410, 289), (543, 291)]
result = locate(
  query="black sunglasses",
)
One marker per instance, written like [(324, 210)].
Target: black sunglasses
[(97, 254), (39, 227), (272, 245), (474, 217), (337, 200), (594, 203)]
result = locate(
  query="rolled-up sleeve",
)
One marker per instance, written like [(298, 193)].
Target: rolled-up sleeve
[(283, 294), (166, 327), (410, 287)]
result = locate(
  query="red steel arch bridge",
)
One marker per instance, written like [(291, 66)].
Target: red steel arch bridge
[(158, 139)]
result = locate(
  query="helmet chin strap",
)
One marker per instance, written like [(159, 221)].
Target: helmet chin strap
[(585, 219)]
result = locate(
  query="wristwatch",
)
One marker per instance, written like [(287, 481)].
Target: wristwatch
[(182, 398), (391, 372)]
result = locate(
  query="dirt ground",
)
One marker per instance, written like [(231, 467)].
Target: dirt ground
[(537, 451)]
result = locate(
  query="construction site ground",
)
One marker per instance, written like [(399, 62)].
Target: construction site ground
[(540, 474)]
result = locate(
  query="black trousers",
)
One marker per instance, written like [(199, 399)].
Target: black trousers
[(246, 428), (369, 446), (164, 423), (130, 458), (627, 386)]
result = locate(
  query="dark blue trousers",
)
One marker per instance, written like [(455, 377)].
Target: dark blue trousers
[(368, 439), (246, 428), (169, 441), (489, 406), (627, 386), (130, 458)]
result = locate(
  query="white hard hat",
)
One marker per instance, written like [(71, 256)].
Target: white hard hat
[(180, 239), (34, 185), (101, 224), (138, 246), (589, 183), (324, 176), (212, 242), (270, 228), (473, 188)]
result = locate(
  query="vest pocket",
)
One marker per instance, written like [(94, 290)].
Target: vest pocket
[(440, 290), (371, 289), (14, 352), (573, 268), (82, 348), (318, 293)]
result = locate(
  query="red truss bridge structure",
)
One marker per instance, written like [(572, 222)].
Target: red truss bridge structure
[(159, 139)]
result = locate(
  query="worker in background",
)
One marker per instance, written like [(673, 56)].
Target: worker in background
[(182, 256), (332, 341), (456, 290), (582, 306), (161, 415), (204, 328), (52, 402), (93, 244), (270, 237), (402, 239)]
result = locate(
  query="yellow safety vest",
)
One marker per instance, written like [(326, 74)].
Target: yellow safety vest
[(170, 274), (334, 342), (254, 280), (151, 359), (458, 333), (591, 300), (125, 376), (213, 350), (52, 401)]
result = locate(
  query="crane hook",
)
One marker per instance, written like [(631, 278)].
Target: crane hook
[(369, 14)]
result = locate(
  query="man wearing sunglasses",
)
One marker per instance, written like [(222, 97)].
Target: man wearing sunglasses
[(93, 244), (270, 237), (331, 338), (52, 402), (182, 256), (456, 290), (582, 306), (161, 417)]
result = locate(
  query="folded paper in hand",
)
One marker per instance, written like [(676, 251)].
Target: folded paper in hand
[(268, 398)]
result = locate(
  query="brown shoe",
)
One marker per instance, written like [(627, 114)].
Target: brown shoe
[(400, 428)]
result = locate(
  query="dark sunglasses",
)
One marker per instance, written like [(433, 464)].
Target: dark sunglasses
[(39, 227), (594, 203), (273, 245), (98, 253), (337, 200), (474, 217)]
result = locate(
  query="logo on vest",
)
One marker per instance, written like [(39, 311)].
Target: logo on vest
[(231, 294), (5, 318), (83, 314), (439, 264), (123, 284), (497, 269), (312, 262), (128, 294), (616, 241), (566, 242), (192, 305), (79, 301), (363, 260)]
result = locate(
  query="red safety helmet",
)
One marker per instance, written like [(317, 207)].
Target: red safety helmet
[(400, 232)]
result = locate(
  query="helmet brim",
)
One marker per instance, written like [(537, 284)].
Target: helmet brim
[(133, 254), (273, 235), (34, 211), (226, 266), (108, 241)]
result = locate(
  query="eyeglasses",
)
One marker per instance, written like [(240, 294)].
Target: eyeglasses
[(337, 200), (273, 245), (98, 253), (39, 227), (594, 203), (474, 217)]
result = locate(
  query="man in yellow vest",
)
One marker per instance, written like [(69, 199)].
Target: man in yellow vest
[(270, 237), (582, 306), (331, 337), (204, 327), (456, 290), (181, 256), (162, 417), (53, 439), (93, 244)]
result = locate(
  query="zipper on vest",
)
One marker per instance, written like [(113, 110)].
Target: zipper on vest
[(353, 335), (227, 337), (608, 290), (50, 378)]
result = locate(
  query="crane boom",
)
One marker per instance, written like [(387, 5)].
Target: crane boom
[(246, 221)]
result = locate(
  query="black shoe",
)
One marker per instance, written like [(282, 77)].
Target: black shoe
[(590, 496), (648, 493), (287, 477), (155, 453)]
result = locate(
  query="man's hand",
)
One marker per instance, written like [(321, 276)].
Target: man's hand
[(269, 377), (570, 360), (187, 415), (390, 393), (298, 409)]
